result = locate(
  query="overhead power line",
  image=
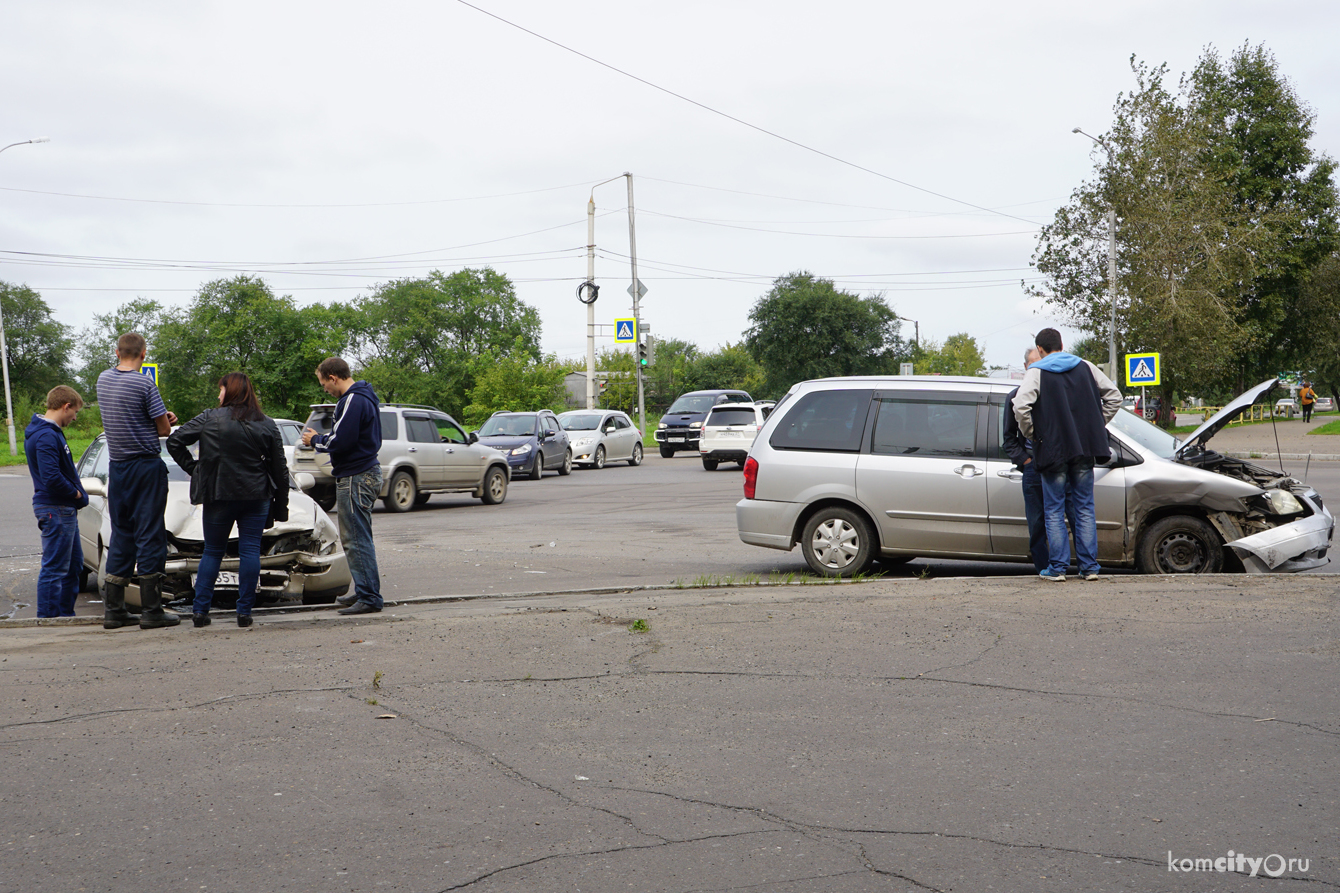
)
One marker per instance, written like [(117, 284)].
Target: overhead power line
[(740, 121)]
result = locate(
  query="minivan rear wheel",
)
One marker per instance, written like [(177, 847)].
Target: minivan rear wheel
[(1181, 544), (837, 542)]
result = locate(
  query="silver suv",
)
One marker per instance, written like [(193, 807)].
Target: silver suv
[(424, 451), (859, 469), (728, 432)]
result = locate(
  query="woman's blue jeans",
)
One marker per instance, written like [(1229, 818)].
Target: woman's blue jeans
[(249, 515)]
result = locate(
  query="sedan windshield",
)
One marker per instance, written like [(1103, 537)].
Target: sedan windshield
[(1151, 437), (508, 426), (583, 422)]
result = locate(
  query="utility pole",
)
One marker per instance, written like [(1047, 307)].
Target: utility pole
[(636, 290), (1112, 290), (591, 305)]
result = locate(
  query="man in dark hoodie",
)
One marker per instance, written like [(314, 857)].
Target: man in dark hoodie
[(57, 498), (352, 445), (1063, 406)]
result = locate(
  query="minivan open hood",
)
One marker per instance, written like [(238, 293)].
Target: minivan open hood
[(1220, 419)]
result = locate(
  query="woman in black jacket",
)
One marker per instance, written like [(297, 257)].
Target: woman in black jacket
[(239, 478)]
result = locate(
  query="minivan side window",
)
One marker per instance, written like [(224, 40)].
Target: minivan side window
[(831, 420), (390, 426), (919, 427)]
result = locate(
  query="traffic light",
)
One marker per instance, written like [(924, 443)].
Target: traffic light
[(651, 351), (643, 358)]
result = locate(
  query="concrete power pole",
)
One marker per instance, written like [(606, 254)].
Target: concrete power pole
[(591, 306), (636, 290)]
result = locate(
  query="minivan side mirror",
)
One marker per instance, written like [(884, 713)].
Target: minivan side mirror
[(472, 437)]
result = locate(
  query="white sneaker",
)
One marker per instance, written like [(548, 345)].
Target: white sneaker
[(1052, 578), (1091, 576)]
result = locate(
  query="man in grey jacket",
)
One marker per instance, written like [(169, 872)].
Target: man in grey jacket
[(1063, 406)]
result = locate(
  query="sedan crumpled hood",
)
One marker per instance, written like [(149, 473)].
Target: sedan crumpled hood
[(186, 522), (1220, 419)]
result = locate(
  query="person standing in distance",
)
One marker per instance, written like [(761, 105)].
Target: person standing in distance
[(133, 417), (1063, 406), (57, 498), (1307, 398), (352, 445)]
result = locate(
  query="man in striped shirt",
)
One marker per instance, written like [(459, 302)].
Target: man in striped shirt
[(133, 418)]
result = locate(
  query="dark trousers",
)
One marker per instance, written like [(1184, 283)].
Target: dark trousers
[(137, 492), (1307, 412), (62, 560), (249, 515)]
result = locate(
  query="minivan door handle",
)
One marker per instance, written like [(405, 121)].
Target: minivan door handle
[(966, 471), (1013, 474)]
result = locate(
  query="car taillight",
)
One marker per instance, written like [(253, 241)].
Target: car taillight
[(750, 477)]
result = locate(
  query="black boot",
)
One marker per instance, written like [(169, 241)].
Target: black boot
[(200, 620), (114, 613), (152, 615)]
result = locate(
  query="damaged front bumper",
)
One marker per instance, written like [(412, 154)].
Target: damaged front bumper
[(1297, 546), (293, 574)]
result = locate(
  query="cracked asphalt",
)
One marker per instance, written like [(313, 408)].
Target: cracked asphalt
[(902, 734)]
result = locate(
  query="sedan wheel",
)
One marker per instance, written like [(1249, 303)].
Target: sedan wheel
[(837, 542), (637, 455), (1181, 544), (401, 494), (599, 459), (537, 470)]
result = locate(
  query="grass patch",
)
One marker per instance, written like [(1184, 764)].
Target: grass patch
[(638, 626), (77, 439), (1328, 428)]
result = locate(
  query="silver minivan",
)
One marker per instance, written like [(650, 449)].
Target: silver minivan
[(882, 468)]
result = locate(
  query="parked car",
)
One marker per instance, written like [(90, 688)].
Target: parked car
[(598, 436), (729, 430), (1153, 410), (1324, 404), (424, 451), (301, 558), (291, 433), (890, 468), (531, 441), (1287, 407), (680, 426)]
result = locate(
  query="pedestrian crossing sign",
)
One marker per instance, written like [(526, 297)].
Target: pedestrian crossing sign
[(625, 331), (150, 370), (1142, 369)]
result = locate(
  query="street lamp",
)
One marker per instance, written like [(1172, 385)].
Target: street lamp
[(1111, 268), (916, 328), (4, 351)]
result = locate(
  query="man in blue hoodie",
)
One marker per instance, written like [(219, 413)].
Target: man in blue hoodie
[(1063, 406), (57, 498), (352, 445)]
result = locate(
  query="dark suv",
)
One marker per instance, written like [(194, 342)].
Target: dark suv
[(682, 424), (531, 441)]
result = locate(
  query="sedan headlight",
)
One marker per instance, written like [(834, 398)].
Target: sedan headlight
[(1282, 502), (521, 450), (583, 442)]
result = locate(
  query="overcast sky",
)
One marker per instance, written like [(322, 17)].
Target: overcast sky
[(332, 146)]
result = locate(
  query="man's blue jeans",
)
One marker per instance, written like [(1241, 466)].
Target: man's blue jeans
[(62, 560), (354, 496), (219, 517), (1067, 491), (1037, 521), (137, 491)]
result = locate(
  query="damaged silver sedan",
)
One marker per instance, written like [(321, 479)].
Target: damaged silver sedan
[(302, 559), (856, 470)]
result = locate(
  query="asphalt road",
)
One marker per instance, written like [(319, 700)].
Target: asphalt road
[(948, 734), (664, 522)]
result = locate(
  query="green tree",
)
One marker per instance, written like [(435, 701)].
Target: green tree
[(668, 377), (729, 367), (416, 339), (38, 346), (1215, 231), (805, 327), (959, 355), (1321, 312), (514, 381), (95, 348), (241, 325)]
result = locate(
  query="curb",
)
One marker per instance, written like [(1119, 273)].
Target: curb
[(1295, 457)]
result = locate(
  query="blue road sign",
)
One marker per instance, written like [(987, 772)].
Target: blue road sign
[(625, 331), (151, 370), (1142, 369)]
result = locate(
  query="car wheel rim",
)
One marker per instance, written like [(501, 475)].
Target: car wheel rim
[(496, 485), (567, 463), (637, 454), (835, 544), (1182, 553), (404, 491), (600, 457)]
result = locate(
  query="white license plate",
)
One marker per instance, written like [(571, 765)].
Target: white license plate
[(225, 580), (729, 434), (675, 439)]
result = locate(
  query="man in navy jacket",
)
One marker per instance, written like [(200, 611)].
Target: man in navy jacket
[(352, 445), (1063, 406), (57, 498)]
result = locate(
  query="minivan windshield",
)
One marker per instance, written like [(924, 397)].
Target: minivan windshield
[(1151, 437), (693, 403), (509, 426)]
